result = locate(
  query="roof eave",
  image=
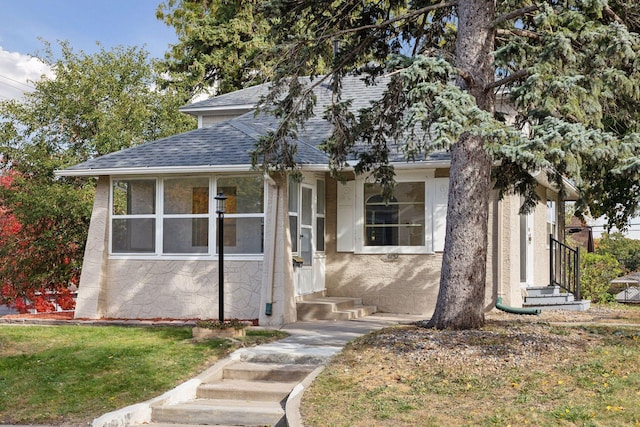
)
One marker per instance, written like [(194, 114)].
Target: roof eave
[(156, 170), (219, 109), (164, 170)]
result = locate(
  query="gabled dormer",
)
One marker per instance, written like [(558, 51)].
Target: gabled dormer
[(224, 107)]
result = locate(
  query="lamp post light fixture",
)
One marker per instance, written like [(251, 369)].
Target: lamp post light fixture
[(220, 210)]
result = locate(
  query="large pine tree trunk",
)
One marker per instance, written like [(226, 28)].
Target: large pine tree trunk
[(460, 302)]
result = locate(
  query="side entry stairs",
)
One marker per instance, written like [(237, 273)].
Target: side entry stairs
[(332, 308), (553, 298)]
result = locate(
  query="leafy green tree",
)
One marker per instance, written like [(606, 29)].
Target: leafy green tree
[(596, 271), (626, 251), (570, 70), (220, 44), (95, 104)]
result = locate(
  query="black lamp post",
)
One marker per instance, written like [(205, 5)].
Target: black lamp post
[(220, 209)]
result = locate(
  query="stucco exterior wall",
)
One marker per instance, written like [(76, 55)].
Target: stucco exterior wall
[(511, 288), (145, 289), (397, 283), (540, 240), (91, 296), (174, 289)]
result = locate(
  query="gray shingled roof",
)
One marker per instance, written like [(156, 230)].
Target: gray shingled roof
[(228, 144), (247, 96), (222, 144)]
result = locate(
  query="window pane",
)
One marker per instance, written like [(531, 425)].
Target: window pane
[(185, 236), (134, 197), (294, 190), (135, 235), (243, 235), (244, 195), (320, 185), (399, 221), (186, 196), (320, 234), (307, 203), (305, 246), (293, 230)]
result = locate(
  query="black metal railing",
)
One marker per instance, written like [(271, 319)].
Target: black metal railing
[(564, 267)]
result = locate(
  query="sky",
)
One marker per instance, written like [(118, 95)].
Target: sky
[(80, 22)]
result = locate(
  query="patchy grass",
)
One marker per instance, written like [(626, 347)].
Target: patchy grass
[(68, 375), (561, 369)]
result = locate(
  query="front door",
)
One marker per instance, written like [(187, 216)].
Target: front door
[(526, 250), (306, 219)]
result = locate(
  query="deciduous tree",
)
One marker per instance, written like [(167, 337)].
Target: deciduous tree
[(94, 104)]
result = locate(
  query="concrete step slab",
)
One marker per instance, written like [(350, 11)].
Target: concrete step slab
[(322, 308), (332, 308), (354, 313), (550, 299), (263, 391), (582, 305), (193, 425), (221, 412), (266, 372), (533, 291)]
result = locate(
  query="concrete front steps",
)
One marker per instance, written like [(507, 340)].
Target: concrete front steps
[(332, 308), (241, 394), (551, 298)]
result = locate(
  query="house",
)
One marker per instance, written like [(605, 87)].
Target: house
[(627, 288), (152, 252)]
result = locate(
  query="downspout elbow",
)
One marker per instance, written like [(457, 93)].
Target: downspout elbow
[(515, 310)]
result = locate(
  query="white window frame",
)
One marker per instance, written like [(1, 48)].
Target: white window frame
[(113, 216), (238, 215), (320, 215), (159, 217), (551, 217), (426, 176), (162, 216)]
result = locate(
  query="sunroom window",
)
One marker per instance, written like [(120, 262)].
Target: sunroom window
[(186, 220), (174, 216), (244, 217), (133, 216)]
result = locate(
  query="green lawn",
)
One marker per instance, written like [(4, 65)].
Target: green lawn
[(72, 374)]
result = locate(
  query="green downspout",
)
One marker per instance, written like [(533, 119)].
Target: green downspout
[(514, 310)]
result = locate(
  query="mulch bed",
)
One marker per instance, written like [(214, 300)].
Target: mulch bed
[(54, 315)]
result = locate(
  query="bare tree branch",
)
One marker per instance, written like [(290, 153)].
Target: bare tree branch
[(520, 74), (515, 14)]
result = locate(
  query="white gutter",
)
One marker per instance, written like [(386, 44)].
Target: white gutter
[(160, 170), (157, 170), (222, 108)]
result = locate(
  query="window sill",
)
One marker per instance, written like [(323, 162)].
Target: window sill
[(399, 250), (151, 257)]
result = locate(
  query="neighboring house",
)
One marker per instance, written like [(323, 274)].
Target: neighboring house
[(627, 288), (151, 250)]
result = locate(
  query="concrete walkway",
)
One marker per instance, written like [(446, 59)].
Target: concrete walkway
[(310, 343)]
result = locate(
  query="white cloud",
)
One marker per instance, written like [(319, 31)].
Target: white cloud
[(18, 72)]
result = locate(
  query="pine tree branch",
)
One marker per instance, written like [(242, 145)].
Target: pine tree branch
[(390, 21), (611, 14), (520, 74), (515, 14), (518, 32)]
